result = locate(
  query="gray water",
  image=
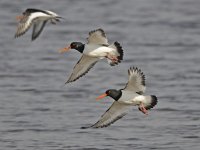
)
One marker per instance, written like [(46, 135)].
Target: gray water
[(37, 111)]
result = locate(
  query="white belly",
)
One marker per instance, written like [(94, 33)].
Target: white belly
[(132, 98), (96, 50)]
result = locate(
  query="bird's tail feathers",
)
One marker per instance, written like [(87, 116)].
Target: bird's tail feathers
[(150, 101)]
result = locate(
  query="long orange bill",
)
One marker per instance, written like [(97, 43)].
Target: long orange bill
[(19, 17), (101, 96), (65, 49)]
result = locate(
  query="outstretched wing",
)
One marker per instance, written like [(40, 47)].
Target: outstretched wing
[(115, 112), (37, 29), (24, 24), (82, 67), (28, 19), (136, 81), (97, 36)]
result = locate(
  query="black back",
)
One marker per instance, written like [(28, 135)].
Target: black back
[(32, 10)]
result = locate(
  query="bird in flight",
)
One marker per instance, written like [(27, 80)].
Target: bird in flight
[(124, 99), (36, 17), (96, 48)]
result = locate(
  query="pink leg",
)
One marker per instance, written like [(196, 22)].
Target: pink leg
[(112, 58), (143, 109)]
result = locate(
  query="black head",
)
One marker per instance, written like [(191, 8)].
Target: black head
[(115, 94), (31, 10), (77, 46)]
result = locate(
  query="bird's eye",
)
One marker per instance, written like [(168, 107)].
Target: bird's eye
[(72, 45)]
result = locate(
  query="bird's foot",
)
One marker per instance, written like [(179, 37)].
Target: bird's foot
[(113, 58), (143, 109)]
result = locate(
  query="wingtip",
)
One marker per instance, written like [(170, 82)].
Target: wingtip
[(33, 39), (68, 81), (100, 30), (85, 127), (138, 71), (60, 17), (34, 36)]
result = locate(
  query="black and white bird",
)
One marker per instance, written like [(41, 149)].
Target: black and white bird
[(36, 17), (97, 48), (131, 95)]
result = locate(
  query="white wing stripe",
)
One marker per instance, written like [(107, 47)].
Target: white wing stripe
[(115, 112), (136, 81), (97, 36)]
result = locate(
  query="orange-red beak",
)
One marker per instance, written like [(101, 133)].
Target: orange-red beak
[(65, 49), (19, 17), (101, 96)]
